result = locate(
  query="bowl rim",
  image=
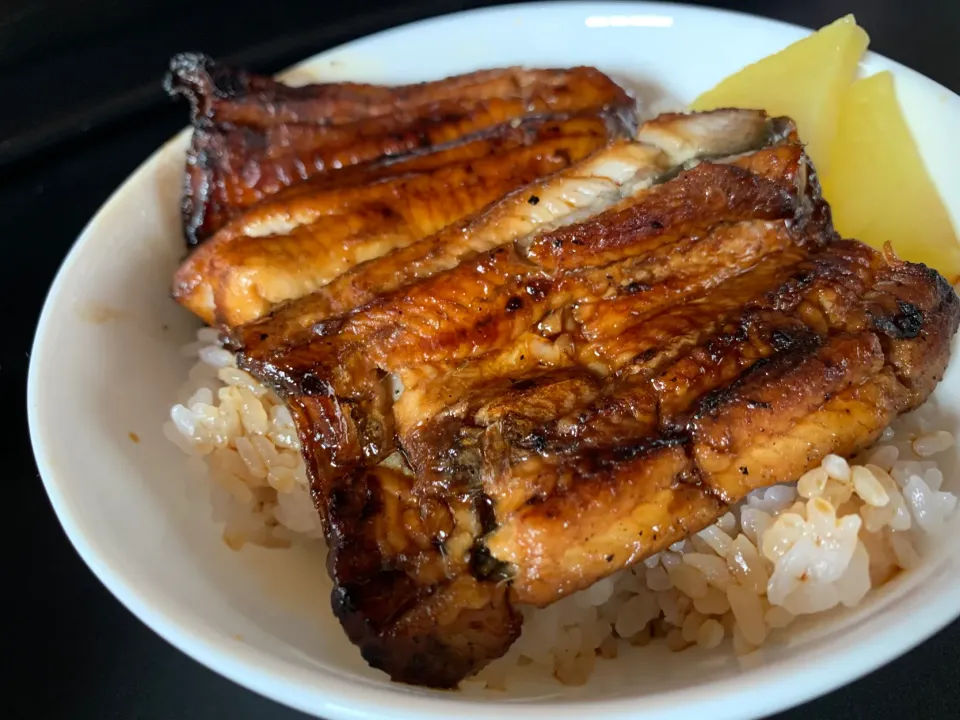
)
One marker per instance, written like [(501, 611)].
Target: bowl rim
[(341, 696)]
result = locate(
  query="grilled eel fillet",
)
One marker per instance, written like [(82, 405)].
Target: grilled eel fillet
[(254, 136), (296, 241), (592, 370), (605, 178)]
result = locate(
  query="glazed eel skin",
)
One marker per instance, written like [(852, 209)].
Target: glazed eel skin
[(254, 136), (598, 365), (300, 239)]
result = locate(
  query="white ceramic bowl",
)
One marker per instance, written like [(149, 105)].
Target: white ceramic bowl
[(106, 364)]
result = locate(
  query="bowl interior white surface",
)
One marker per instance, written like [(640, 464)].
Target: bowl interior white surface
[(106, 363)]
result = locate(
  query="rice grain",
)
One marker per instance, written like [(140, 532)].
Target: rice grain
[(710, 634), (930, 445), (748, 613), (869, 488)]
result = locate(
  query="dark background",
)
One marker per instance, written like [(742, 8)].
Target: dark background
[(80, 108)]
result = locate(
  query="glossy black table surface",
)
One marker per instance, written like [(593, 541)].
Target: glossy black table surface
[(82, 107)]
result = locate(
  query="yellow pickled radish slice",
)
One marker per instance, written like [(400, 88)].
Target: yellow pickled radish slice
[(877, 183), (805, 80)]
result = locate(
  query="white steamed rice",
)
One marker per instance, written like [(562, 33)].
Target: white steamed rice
[(786, 551), (246, 437)]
